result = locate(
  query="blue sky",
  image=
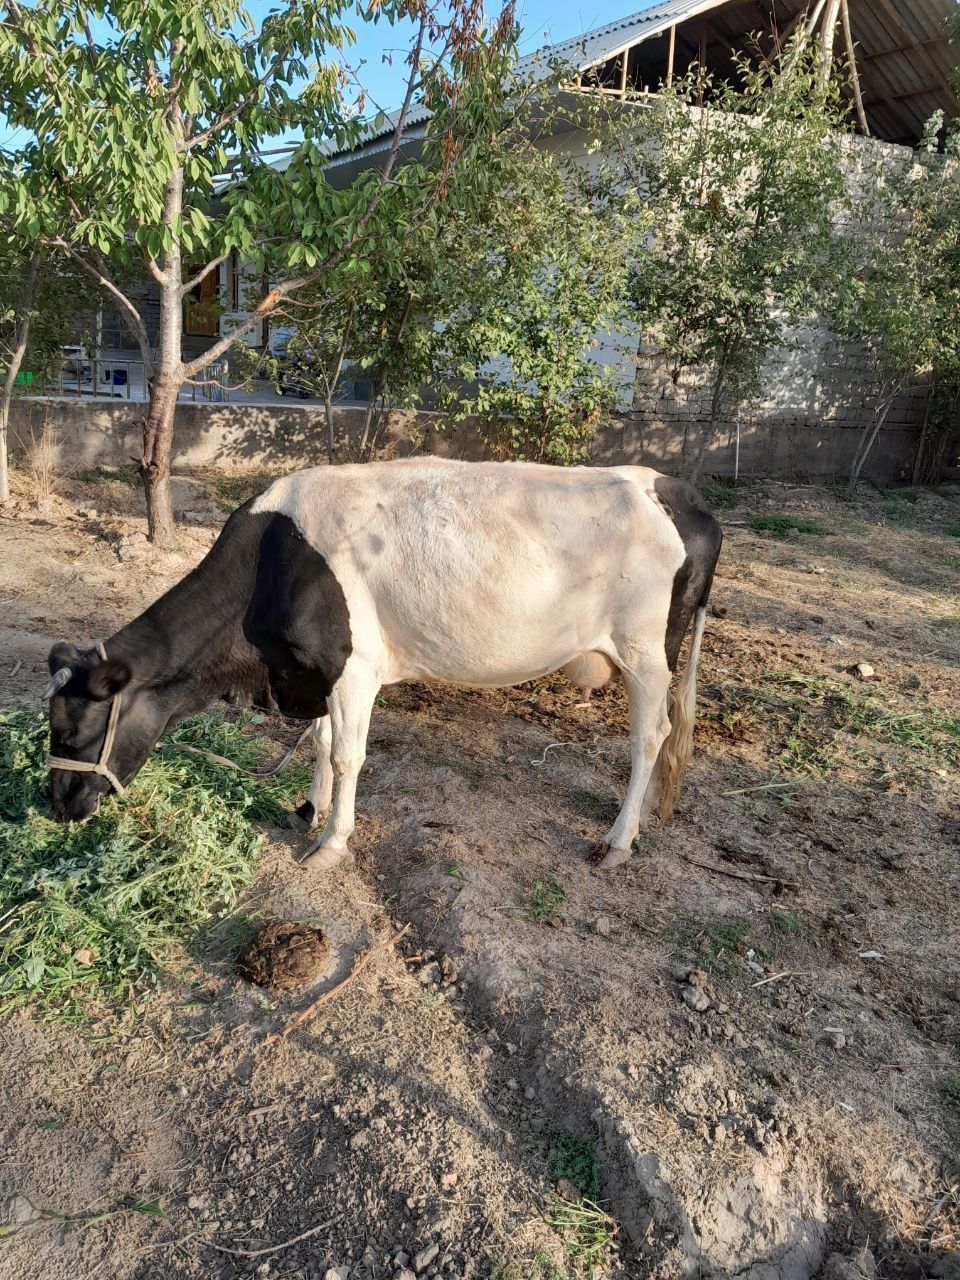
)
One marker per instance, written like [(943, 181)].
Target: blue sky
[(541, 22)]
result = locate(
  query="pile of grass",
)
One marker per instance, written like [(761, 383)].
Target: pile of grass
[(93, 914)]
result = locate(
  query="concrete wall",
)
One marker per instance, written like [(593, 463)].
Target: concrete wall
[(268, 438)]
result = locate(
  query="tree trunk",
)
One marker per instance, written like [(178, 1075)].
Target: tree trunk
[(167, 380), (16, 360), (716, 400), (920, 456), (155, 467), (868, 439)]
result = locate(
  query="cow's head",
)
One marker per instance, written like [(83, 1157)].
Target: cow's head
[(87, 692)]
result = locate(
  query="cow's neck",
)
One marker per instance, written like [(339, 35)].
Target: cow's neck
[(190, 643)]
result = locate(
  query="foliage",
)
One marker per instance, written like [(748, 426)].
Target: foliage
[(145, 149), (92, 914), (742, 198), (590, 1236), (231, 492), (576, 1160), (548, 898), (719, 496), (492, 302), (780, 526), (905, 286), (540, 281)]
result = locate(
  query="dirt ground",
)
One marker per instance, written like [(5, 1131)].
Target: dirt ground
[(754, 1025)]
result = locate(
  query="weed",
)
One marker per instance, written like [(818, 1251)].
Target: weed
[(952, 1090), (540, 1268), (953, 562), (722, 947), (43, 464), (719, 496), (231, 492), (125, 475), (94, 913), (547, 901), (788, 922), (576, 1160), (954, 530), (589, 1236), (780, 526)]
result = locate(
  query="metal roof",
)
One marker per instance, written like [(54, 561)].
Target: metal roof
[(583, 51), (907, 66)]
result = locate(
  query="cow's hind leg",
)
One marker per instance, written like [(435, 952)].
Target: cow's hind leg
[(307, 816), (647, 694), (350, 705)]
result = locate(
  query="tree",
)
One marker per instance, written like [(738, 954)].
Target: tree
[(544, 277), (905, 296), (39, 306), (743, 194), (130, 132)]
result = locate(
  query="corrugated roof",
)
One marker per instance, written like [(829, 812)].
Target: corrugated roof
[(580, 52)]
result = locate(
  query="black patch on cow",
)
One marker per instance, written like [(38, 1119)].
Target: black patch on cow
[(297, 620), (702, 538), (306, 813), (260, 621)]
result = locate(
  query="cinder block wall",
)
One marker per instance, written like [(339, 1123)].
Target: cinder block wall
[(281, 437)]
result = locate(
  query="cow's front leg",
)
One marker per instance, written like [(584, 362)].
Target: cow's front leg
[(350, 706), (307, 816), (649, 726)]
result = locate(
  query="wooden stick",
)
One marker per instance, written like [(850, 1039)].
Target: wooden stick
[(672, 54), (275, 1248), (854, 73), (740, 875), (358, 967), (775, 977)]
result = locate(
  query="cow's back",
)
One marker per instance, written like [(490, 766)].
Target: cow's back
[(486, 572)]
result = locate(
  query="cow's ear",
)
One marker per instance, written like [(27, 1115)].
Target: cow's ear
[(62, 655), (107, 679)]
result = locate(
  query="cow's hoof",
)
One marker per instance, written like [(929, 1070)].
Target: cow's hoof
[(325, 859), (302, 819), (606, 857)]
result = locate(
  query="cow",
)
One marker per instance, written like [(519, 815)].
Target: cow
[(338, 580)]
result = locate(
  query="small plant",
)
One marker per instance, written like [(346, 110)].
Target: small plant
[(231, 492), (93, 914), (43, 464), (719, 496), (954, 530), (780, 526), (788, 922), (547, 901), (540, 1268), (576, 1160), (721, 947), (952, 1090), (589, 1235)]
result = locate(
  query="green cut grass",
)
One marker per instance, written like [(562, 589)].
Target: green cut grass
[(780, 526), (92, 914)]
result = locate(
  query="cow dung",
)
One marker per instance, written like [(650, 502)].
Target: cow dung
[(284, 955)]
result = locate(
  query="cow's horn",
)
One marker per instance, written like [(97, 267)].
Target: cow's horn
[(60, 678)]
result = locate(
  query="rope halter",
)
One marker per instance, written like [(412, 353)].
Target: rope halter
[(101, 766)]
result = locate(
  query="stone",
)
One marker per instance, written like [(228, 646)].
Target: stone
[(337, 1273), (862, 670), (405, 1274), (425, 1257), (695, 998)]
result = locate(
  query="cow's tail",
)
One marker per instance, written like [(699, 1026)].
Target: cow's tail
[(678, 744)]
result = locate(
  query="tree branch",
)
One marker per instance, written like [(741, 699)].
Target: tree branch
[(134, 319), (153, 268), (204, 136), (276, 295), (202, 274)]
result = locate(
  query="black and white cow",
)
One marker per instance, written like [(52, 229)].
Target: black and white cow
[(338, 580)]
